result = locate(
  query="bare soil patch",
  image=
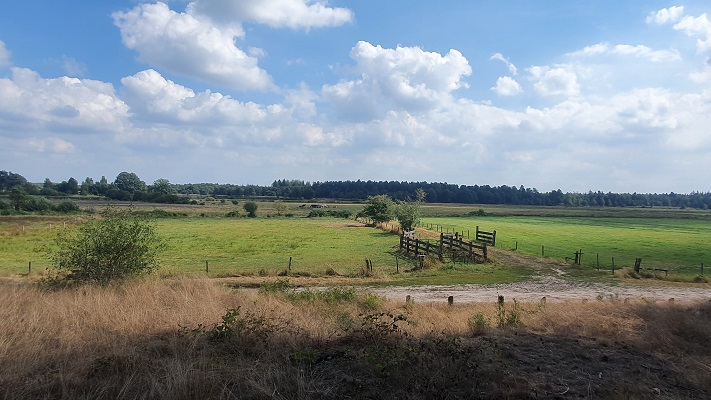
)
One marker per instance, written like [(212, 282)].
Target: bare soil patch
[(551, 282)]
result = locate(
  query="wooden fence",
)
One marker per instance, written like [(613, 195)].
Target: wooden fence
[(485, 237), (458, 247), (453, 245)]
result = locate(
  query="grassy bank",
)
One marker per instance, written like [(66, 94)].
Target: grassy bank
[(191, 338)]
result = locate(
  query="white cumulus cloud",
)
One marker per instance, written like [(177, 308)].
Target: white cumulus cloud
[(404, 78), (60, 104), (295, 14), (697, 26), (188, 46), (558, 81), (507, 86), (665, 15), (153, 97)]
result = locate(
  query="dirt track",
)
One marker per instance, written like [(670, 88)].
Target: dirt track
[(551, 282), (554, 289)]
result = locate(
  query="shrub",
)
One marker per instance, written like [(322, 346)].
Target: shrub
[(34, 203), (66, 206), (119, 245), (251, 208)]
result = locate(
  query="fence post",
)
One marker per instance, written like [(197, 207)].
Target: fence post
[(493, 239), (207, 268), (450, 300), (516, 249), (543, 251), (289, 269), (29, 268), (397, 266)]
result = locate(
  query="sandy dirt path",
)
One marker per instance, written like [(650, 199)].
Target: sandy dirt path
[(553, 289), (549, 281)]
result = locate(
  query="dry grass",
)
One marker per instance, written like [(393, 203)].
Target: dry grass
[(157, 339)]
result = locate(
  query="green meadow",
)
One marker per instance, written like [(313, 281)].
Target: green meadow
[(679, 245), (677, 240), (321, 247)]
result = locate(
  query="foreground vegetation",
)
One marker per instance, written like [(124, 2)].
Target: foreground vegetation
[(193, 338)]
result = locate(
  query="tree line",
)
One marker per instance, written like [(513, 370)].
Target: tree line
[(128, 186)]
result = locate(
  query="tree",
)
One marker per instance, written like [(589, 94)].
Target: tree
[(87, 187), (251, 208), (162, 186), (378, 208), (407, 213), (117, 246), (18, 197), (129, 182)]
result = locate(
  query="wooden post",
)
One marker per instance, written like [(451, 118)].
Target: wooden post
[(290, 260), (516, 249), (543, 251), (370, 262), (397, 266), (493, 239), (207, 267), (637, 264), (29, 268), (450, 300)]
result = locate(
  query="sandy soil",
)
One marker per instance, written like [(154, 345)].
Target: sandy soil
[(553, 289), (550, 281)]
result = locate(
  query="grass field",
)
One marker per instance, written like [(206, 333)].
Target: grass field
[(680, 245), (671, 239), (326, 247)]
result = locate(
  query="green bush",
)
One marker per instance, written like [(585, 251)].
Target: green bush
[(251, 208), (117, 246), (35, 203), (66, 206)]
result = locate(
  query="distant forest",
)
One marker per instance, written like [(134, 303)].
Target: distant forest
[(129, 187)]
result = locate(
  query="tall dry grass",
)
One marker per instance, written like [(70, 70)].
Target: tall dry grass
[(152, 339)]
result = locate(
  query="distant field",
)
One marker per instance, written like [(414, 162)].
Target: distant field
[(680, 245)]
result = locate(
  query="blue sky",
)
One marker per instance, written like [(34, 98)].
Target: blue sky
[(572, 95)]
